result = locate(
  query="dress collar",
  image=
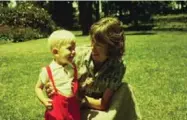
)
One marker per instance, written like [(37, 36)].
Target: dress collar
[(90, 66), (55, 65)]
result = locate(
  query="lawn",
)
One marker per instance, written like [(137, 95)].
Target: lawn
[(156, 68)]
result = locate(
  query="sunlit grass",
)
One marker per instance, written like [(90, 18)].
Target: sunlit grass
[(156, 67)]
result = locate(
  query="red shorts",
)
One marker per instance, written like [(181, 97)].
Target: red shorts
[(64, 108)]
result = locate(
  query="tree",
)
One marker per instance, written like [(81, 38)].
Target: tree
[(183, 5), (85, 15), (62, 13), (134, 13), (96, 10)]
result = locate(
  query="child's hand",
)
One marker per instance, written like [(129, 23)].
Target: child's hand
[(48, 103), (87, 82), (49, 89)]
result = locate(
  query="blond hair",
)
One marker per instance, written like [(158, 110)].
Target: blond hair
[(59, 38)]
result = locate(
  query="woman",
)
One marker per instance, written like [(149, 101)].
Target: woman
[(104, 66), (101, 69)]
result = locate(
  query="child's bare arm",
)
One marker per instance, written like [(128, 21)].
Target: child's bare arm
[(39, 92)]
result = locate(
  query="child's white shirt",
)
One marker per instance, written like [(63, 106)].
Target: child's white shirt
[(62, 77)]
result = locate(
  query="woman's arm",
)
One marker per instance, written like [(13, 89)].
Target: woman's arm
[(115, 75), (102, 103)]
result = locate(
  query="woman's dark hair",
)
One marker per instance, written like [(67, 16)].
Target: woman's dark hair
[(109, 31)]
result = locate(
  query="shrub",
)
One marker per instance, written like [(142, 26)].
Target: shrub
[(15, 34), (24, 34), (5, 33), (26, 20)]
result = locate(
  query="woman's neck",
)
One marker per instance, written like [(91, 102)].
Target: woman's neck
[(97, 66)]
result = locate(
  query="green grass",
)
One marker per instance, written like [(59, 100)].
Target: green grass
[(156, 68)]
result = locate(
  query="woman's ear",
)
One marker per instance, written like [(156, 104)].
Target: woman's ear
[(55, 51)]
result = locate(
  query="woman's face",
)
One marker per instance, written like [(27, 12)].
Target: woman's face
[(99, 51)]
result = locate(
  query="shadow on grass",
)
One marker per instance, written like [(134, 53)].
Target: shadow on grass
[(171, 29), (140, 30), (140, 33), (140, 27)]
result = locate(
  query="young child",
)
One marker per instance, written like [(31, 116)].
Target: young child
[(62, 72)]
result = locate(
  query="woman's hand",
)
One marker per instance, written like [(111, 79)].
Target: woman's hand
[(101, 103), (49, 89)]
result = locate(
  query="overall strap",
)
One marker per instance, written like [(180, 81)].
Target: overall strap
[(51, 77), (75, 80)]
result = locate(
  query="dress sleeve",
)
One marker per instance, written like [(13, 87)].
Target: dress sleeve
[(82, 53), (43, 77), (117, 75)]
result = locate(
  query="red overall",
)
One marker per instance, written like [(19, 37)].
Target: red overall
[(63, 108)]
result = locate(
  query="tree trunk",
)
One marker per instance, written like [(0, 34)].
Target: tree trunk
[(97, 14), (62, 13), (85, 16)]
